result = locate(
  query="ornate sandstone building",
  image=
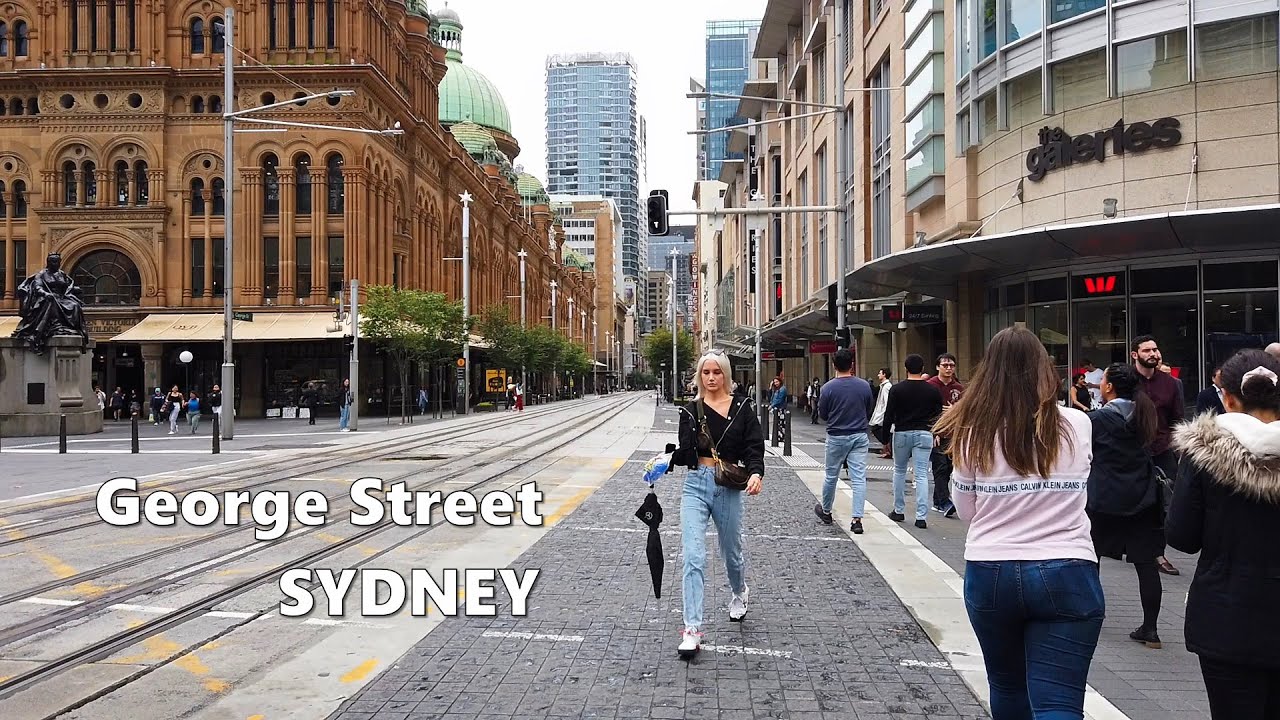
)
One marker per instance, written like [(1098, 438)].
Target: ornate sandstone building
[(112, 155)]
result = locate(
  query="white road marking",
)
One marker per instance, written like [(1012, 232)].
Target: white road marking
[(939, 664), (123, 451), (532, 636), (226, 614), (710, 533), (743, 650), (166, 438)]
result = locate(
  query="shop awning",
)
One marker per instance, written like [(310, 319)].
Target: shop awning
[(207, 327), (934, 270)]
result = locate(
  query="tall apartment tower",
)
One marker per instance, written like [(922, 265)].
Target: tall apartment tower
[(595, 145), (730, 44)]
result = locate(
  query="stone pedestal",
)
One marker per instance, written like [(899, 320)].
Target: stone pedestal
[(36, 390)]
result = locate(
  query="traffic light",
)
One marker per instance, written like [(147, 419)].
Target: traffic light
[(844, 338), (657, 205)]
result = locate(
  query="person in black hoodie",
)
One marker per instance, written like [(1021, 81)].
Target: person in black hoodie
[(1125, 512), (1226, 506)]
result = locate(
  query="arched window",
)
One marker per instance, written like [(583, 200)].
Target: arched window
[(197, 197), (141, 191), (197, 104), (219, 204), (215, 104), (19, 198), (15, 106), (69, 184), (4, 39), (270, 185), (197, 36), (217, 25), (302, 184), (4, 210), (22, 39), (334, 180), (33, 106), (108, 277), (89, 174), (122, 183), (4, 109)]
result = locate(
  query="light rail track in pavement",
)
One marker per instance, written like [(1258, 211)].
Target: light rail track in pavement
[(545, 441)]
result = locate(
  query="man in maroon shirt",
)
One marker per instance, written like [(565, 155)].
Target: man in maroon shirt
[(1166, 393), (951, 390)]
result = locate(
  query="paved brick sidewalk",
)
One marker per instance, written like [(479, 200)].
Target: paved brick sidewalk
[(1143, 683), (826, 638)]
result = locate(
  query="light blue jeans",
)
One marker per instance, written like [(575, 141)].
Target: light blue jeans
[(916, 446), (853, 450), (703, 499), (344, 416)]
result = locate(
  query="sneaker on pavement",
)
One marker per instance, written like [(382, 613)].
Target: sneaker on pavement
[(922, 524), (951, 510), (738, 606), (897, 516), (690, 643), (823, 515), (856, 526)]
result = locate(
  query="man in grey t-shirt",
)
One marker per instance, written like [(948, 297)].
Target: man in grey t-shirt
[(845, 404)]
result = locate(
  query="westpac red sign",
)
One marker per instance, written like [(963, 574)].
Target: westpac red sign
[(1102, 285)]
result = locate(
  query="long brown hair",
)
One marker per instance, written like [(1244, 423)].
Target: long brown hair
[(1012, 399)]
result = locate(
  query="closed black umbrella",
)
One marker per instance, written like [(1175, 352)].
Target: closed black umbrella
[(650, 513)]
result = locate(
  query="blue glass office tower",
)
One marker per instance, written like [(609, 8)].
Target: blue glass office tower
[(594, 141), (730, 44)]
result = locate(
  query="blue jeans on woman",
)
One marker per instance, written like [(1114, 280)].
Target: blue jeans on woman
[(915, 446), (703, 499), (1038, 623)]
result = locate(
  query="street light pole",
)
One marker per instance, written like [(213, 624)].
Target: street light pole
[(523, 325), (465, 197), (228, 419), (843, 150), (675, 368), (353, 373)]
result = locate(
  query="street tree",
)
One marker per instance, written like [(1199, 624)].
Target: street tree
[(505, 335), (412, 326), (657, 350)]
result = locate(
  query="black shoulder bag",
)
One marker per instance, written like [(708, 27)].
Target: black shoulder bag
[(730, 475)]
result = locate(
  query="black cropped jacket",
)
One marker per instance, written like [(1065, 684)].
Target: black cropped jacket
[(739, 440)]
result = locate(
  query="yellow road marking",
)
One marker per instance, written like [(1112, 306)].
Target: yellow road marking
[(62, 571), (331, 538), (360, 671), (257, 717), (567, 507), (157, 648)]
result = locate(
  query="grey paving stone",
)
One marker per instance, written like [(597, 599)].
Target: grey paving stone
[(813, 595)]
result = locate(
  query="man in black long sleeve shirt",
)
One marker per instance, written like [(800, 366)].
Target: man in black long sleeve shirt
[(913, 407)]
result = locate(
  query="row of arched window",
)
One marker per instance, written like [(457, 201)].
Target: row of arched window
[(89, 33), (217, 36), (214, 105), (16, 38), (335, 195), (217, 204), (320, 29), (19, 199), (80, 183), (17, 106)]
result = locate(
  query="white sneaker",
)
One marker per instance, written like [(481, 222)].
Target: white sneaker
[(690, 642), (738, 606)]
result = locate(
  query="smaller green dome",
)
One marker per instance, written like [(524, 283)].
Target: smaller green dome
[(531, 190), (477, 141), (419, 8)]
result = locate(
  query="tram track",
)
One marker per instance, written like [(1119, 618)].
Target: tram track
[(278, 469), (566, 435)]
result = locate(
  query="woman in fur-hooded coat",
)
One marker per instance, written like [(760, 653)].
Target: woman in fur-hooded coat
[(1226, 506)]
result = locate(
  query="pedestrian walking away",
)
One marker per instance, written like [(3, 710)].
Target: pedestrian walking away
[(193, 412), (845, 404), (913, 406), (815, 395), (157, 407), (951, 390), (1226, 507), (881, 430), (722, 445), (1166, 393), (1126, 509), (1031, 587), (215, 400)]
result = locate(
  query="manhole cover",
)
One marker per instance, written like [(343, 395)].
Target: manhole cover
[(416, 458)]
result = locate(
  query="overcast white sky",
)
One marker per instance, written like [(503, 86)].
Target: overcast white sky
[(509, 41)]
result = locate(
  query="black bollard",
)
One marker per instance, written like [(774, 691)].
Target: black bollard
[(62, 435), (133, 435), (773, 428), (786, 437), (217, 436)]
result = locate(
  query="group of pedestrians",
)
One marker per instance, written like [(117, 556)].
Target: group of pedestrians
[(1047, 489)]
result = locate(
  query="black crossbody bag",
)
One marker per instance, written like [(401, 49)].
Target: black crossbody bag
[(730, 475)]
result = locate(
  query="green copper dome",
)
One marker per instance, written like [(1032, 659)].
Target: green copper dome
[(477, 141), (531, 190), (465, 93)]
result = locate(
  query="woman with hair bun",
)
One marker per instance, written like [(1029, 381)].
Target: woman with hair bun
[(1226, 506), (722, 444), (1125, 508)]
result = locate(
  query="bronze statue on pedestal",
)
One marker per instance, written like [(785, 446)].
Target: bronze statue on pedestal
[(50, 305)]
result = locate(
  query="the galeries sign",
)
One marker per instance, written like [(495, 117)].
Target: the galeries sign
[(1058, 149)]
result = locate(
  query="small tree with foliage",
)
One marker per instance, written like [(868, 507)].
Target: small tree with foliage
[(412, 326), (505, 335), (657, 351)]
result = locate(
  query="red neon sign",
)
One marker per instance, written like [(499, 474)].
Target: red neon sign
[(1098, 285)]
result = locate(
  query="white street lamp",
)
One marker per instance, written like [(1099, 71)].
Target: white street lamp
[(675, 370), (186, 357), (523, 325), (465, 197)]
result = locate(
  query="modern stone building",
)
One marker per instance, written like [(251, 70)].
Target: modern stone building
[(1094, 170), (594, 229), (112, 155)]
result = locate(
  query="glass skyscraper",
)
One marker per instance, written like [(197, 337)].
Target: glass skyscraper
[(730, 44), (595, 141)]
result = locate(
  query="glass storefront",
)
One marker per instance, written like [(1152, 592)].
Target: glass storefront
[(1200, 312)]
